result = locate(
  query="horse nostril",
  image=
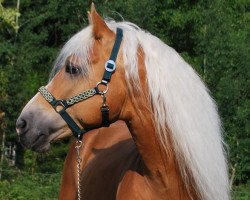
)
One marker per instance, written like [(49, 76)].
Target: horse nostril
[(21, 125)]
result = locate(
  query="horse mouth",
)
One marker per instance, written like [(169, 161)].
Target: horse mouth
[(40, 144), (42, 141)]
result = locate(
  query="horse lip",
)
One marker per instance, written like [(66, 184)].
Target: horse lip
[(23, 133), (18, 131), (22, 141)]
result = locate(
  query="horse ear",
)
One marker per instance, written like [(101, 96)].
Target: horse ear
[(100, 28)]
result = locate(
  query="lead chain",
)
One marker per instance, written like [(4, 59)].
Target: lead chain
[(79, 160), (104, 99)]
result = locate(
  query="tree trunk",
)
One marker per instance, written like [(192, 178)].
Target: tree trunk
[(19, 156), (2, 137)]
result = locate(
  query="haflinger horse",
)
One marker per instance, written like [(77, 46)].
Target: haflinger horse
[(171, 146)]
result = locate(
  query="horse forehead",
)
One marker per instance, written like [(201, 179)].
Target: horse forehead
[(74, 59)]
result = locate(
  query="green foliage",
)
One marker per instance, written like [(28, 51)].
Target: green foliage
[(53, 161), (227, 75), (241, 192), (25, 186), (8, 17)]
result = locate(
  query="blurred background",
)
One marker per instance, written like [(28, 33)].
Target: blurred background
[(211, 35)]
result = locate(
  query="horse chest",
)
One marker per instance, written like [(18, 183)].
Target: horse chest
[(104, 175)]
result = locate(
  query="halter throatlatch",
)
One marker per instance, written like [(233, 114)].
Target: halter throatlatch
[(60, 105)]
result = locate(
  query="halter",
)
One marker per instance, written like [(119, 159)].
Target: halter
[(60, 105)]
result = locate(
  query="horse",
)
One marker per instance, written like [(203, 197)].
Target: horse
[(169, 145), (115, 156)]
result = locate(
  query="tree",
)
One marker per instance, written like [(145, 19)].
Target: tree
[(210, 35), (226, 50)]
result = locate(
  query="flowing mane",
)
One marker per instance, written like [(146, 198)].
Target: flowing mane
[(180, 102)]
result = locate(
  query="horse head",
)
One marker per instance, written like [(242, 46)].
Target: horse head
[(110, 71), (79, 67)]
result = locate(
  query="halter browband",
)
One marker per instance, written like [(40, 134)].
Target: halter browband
[(65, 103)]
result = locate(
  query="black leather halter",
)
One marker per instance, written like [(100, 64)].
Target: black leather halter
[(60, 105)]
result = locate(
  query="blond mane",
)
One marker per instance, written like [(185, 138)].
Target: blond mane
[(180, 101)]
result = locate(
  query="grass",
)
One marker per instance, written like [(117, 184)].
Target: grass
[(242, 192), (30, 187), (24, 186)]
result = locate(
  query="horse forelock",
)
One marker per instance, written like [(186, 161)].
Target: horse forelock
[(179, 99), (80, 46)]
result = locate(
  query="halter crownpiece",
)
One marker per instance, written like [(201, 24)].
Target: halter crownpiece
[(60, 105), (110, 65)]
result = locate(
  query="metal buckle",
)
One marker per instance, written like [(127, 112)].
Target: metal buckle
[(108, 64), (59, 104)]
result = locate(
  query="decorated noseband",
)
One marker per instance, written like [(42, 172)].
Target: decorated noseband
[(60, 105)]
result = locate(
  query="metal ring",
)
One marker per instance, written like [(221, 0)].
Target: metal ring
[(78, 144), (104, 91), (59, 103)]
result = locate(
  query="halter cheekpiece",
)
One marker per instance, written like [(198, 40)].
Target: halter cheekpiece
[(60, 105)]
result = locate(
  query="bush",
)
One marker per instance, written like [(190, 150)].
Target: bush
[(241, 192), (26, 186)]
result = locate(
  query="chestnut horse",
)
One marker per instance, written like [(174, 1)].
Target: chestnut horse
[(174, 147), (108, 153)]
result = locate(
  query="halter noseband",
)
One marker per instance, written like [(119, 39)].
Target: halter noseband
[(60, 105)]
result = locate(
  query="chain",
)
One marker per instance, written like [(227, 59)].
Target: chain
[(104, 100), (79, 160)]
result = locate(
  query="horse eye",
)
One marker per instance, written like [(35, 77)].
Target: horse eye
[(71, 69)]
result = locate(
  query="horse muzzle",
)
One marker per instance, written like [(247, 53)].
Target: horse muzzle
[(29, 134)]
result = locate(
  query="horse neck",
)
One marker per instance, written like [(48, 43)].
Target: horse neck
[(139, 118), (160, 165)]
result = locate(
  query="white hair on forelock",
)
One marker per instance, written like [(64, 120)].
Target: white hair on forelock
[(180, 102), (79, 45)]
